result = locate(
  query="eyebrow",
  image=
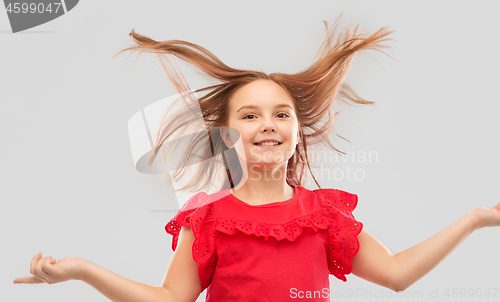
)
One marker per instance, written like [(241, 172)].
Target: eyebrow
[(256, 107)]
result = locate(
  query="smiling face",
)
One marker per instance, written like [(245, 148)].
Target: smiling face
[(263, 110)]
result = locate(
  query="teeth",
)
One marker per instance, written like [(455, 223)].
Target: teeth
[(268, 143)]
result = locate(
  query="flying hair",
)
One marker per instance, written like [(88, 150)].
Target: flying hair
[(313, 91)]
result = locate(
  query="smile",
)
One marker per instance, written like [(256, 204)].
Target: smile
[(268, 146)]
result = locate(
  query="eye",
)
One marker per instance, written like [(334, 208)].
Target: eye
[(245, 117)]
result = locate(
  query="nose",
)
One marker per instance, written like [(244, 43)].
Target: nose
[(268, 127)]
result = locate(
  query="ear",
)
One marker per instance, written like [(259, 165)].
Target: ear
[(226, 137)]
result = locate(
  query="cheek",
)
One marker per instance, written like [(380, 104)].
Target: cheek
[(247, 136), (288, 132)]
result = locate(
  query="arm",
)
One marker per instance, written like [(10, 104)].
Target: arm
[(375, 263), (117, 288), (181, 282)]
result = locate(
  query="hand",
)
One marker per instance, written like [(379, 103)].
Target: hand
[(487, 217), (50, 271)]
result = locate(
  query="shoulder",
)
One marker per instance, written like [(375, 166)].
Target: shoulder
[(199, 206), (339, 199), (194, 202), (196, 219), (343, 229)]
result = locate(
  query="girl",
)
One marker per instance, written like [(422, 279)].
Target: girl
[(263, 236)]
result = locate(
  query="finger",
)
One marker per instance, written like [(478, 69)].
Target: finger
[(28, 279), (40, 271), (46, 264), (496, 207), (34, 260)]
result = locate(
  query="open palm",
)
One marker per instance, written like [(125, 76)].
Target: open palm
[(51, 271)]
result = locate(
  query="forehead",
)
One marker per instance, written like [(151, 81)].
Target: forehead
[(261, 93)]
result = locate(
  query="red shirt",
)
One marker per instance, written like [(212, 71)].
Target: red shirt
[(279, 251)]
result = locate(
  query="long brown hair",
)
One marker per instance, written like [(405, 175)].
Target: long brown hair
[(313, 92)]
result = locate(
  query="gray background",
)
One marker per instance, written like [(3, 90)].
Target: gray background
[(69, 187)]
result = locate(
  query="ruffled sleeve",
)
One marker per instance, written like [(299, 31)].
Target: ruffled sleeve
[(196, 213), (343, 242)]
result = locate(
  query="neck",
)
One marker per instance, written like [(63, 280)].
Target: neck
[(264, 184)]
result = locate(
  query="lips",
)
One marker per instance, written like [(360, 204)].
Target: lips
[(268, 140), (260, 144)]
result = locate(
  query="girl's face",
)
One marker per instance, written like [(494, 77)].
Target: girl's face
[(263, 110)]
